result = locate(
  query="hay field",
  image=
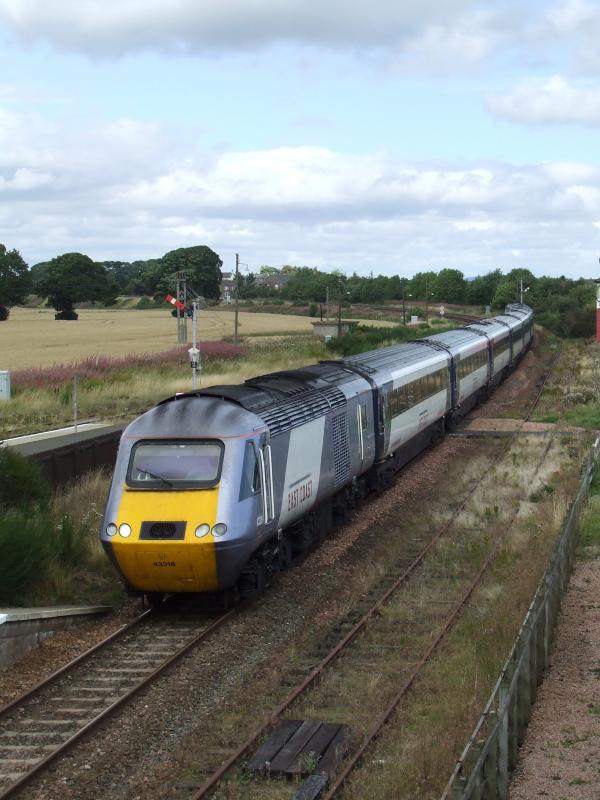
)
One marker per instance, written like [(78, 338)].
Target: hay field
[(32, 337)]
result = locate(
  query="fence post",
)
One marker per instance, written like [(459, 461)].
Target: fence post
[(490, 765), (503, 766), (513, 718)]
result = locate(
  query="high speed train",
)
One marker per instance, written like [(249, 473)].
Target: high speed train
[(214, 490)]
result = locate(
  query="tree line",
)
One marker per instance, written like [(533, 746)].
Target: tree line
[(73, 278), (563, 305)]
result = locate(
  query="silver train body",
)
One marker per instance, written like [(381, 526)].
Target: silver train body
[(219, 488)]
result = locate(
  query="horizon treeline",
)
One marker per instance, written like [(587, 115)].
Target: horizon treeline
[(564, 305)]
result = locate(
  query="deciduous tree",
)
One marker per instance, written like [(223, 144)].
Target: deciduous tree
[(74, 278), (15, 281), (201, 265)]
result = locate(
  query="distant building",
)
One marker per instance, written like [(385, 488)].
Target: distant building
[(331, 329), (227, 287), (276, 282)]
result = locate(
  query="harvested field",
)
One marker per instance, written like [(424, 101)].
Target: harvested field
[(32, 337)]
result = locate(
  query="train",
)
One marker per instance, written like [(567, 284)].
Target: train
[(217, 489)]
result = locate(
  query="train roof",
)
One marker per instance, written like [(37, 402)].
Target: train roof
[(284, 400), (397, 357), (519, 308), (460, 340), (491, 327), (180, 415), (514, 321)]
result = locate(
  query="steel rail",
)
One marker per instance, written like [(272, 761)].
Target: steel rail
[(43, 763), (395, 702), (43, 684), (268, 723), (440, 636)]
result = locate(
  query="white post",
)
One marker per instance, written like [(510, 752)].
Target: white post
[(194, 351)]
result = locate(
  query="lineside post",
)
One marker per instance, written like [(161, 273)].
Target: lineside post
[(597, 282)]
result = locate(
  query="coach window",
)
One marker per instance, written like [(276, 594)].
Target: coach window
[(250, 472)]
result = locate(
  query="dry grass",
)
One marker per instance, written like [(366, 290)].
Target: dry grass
[(84, 502), (32, 337), (127, 393)]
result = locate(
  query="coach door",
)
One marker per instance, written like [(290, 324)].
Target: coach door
[(361, 424), (266, 473)]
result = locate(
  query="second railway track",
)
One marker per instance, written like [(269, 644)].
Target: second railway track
[(40, 725), (454, 593)]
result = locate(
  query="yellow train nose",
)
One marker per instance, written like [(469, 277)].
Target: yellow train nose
[(162, 552)]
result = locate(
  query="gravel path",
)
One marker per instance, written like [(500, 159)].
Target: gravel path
[(560, 759)]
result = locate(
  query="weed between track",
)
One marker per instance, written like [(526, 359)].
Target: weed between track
[(424, 740)]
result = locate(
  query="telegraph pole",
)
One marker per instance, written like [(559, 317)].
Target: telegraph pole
[(236, 287), (403, 303)]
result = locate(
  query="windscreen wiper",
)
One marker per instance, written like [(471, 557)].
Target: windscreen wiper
[(156, 477)]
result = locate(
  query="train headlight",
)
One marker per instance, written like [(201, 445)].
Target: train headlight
[(111, 529), (202, 530), (125, 530), (220, 529)]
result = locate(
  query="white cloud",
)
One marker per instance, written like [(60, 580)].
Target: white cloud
[(552, 101), (576, 25), (131, 190), (115, 27)]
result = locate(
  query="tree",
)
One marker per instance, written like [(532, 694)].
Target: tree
[(450, 286), (201, 265), (509, 288), (15, 281), (481, 290), (421, 285), (75, 278), (267, 270), (129, 276)]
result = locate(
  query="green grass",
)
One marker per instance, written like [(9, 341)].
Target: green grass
[(584, 416)]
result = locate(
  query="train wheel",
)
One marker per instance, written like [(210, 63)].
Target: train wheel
[(284, 552), (253, 579), (152, 599)]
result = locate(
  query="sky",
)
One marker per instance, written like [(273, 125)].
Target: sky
[(378, 137)]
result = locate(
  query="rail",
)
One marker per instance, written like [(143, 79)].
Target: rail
[(490, 756)]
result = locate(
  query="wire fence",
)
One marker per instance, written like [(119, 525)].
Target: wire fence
[(490, 756)]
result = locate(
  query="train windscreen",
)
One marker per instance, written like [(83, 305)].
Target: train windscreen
[(178, 464)]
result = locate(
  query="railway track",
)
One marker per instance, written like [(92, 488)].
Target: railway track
[(455, 592), (46, 721)]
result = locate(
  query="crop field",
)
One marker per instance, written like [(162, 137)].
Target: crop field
[(31, 337)]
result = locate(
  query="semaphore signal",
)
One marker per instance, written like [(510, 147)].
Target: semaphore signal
[(175, 302)]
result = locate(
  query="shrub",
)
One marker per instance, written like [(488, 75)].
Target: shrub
[(364, 338), (68, 545), (25, 548), (22, 484), (148, 302)]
